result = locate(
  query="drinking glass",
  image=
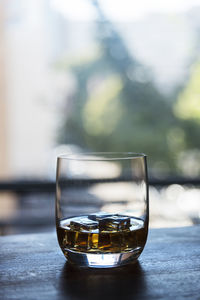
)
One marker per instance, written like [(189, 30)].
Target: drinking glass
[(102, 208)]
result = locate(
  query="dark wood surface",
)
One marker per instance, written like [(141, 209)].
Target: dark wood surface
[(33, 267)]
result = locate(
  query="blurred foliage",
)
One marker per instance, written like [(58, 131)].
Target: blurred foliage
[(116, 106), (187, 110), (188, 104)]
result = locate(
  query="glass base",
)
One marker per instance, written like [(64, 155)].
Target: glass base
[(106, 260)]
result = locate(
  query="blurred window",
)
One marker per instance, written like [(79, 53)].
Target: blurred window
[(100, 76)]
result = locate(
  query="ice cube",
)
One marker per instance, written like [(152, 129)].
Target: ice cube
[(83, 224), (99, 216), (109, 241), (85, 241), (94, 240), (114, 223), (82, 241)]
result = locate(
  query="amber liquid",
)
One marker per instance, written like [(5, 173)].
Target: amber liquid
[(100, 242)]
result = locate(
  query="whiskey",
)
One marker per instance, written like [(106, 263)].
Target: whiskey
[(102, 233)]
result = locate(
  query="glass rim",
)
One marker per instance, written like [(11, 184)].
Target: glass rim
[(93, 156)]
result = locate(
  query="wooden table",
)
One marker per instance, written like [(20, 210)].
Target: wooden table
[(33, 267)]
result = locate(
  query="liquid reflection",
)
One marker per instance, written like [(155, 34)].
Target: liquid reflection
[(119, 283)]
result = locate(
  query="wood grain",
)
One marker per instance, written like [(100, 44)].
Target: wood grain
[(33, 267)]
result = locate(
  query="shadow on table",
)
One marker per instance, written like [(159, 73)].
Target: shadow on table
[(120, 283)]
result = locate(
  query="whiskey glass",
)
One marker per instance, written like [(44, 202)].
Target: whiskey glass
[(102, 208)]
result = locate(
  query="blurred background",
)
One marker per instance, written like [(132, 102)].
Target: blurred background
[(87, 75)]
